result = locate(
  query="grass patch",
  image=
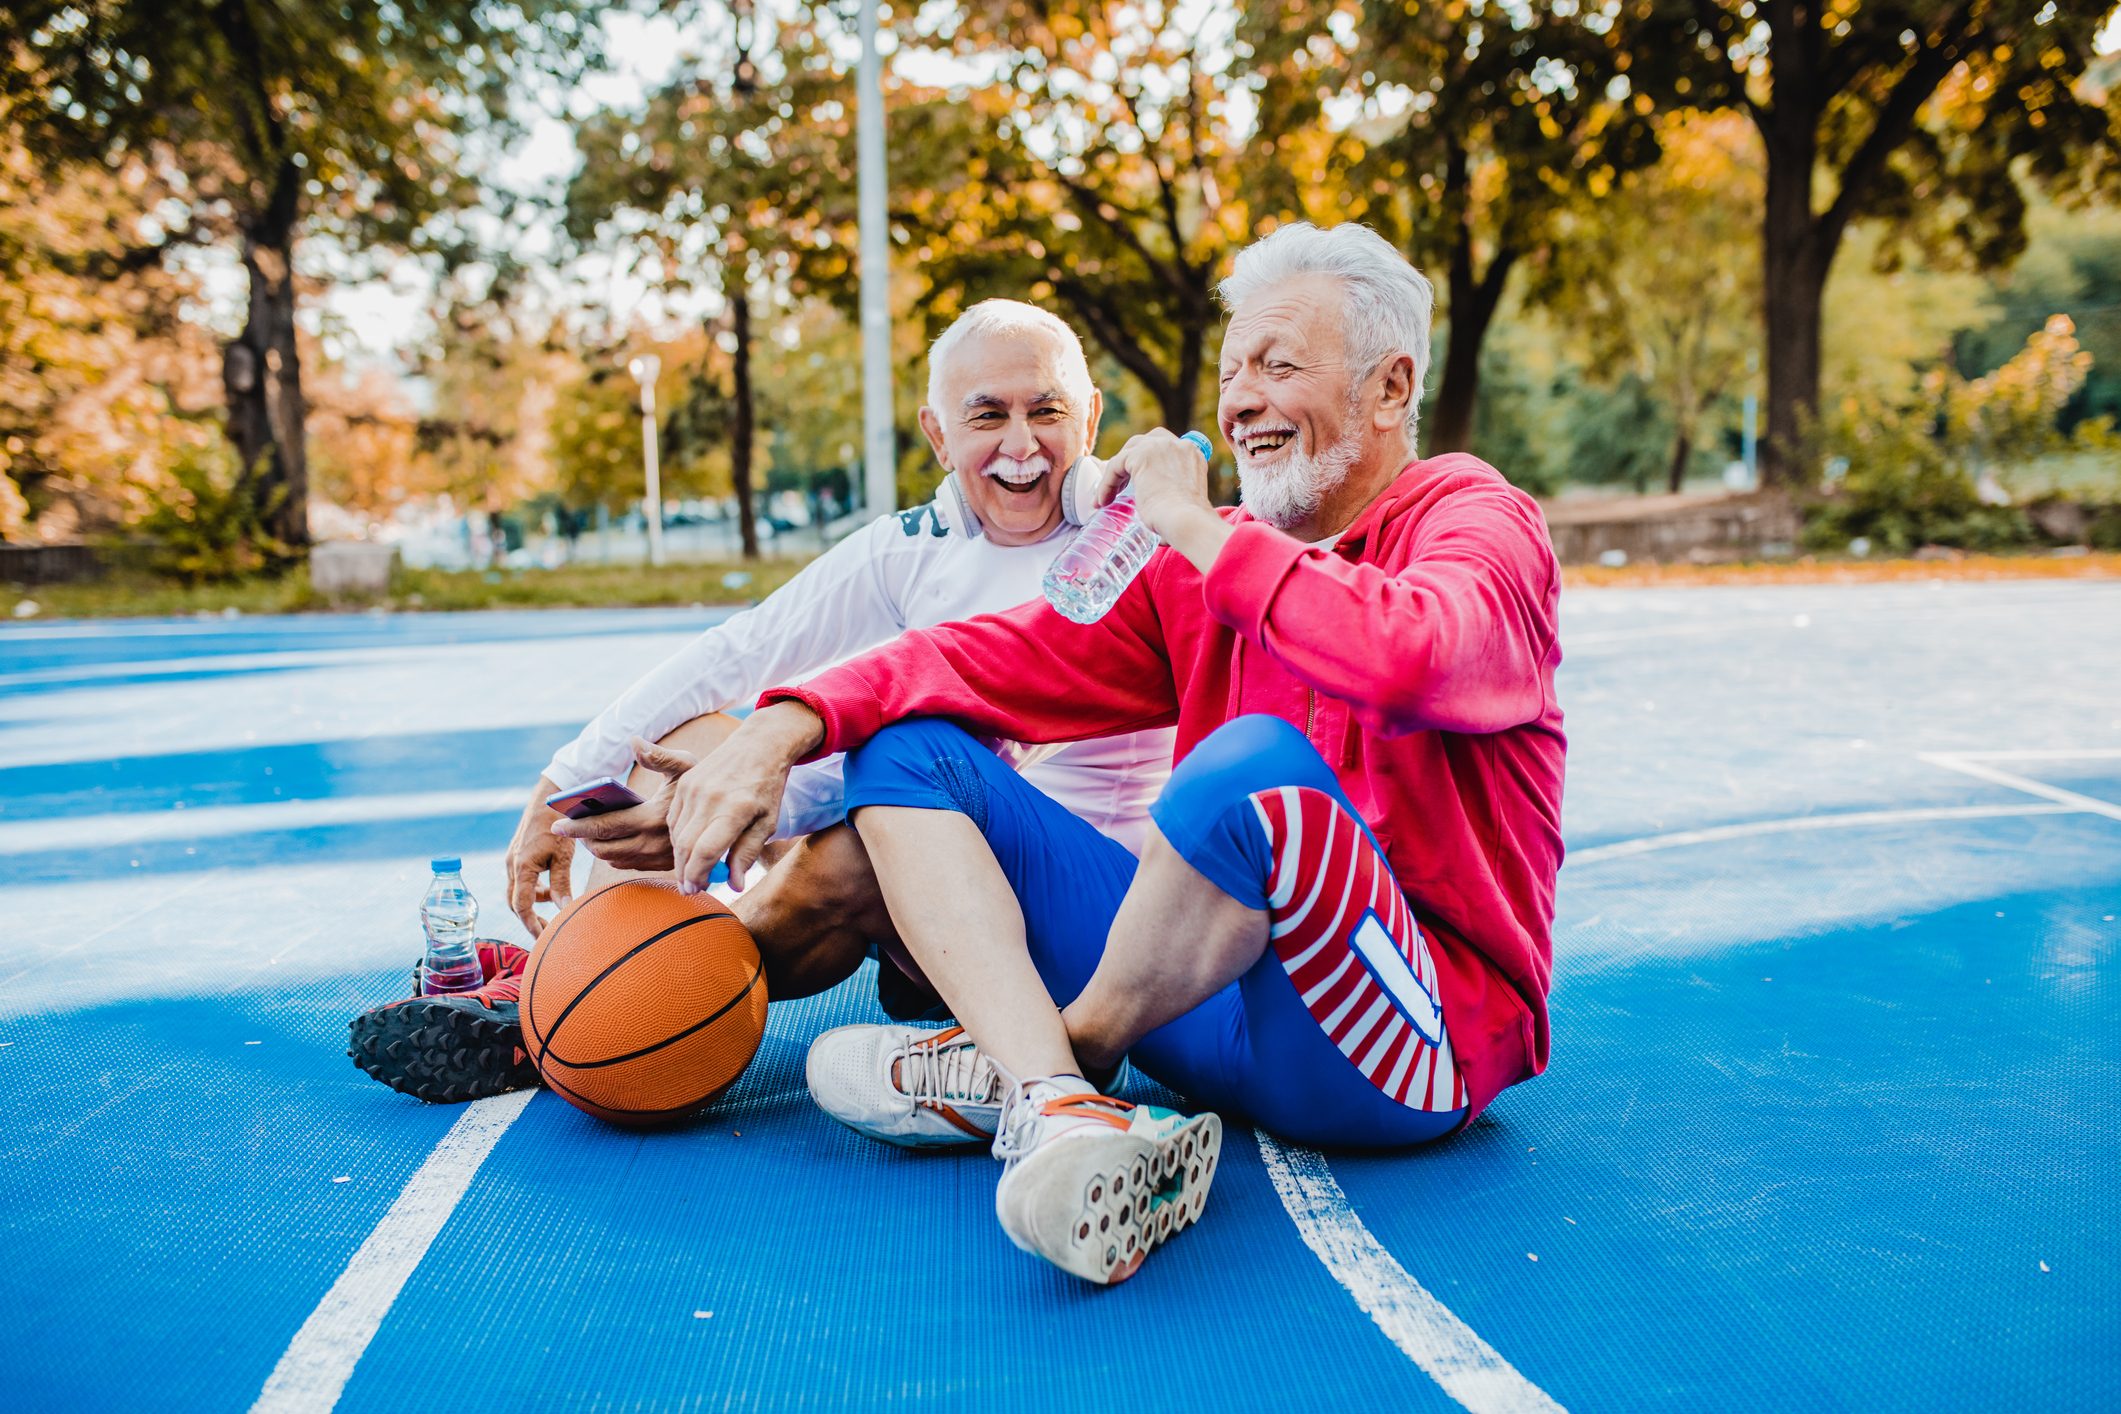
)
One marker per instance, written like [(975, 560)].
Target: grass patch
[(135, 595)]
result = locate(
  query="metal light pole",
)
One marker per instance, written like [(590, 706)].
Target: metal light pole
[(880, 480), (1750, 446), (644, 370)]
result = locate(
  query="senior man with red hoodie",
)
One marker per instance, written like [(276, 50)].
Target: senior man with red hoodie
[(1340, 926)]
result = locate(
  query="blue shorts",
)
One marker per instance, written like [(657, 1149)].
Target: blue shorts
[(1335, 1036)]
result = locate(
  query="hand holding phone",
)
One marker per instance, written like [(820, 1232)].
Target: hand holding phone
[(598, 797)]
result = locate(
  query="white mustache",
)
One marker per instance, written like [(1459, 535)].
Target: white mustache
[(1007, 468)]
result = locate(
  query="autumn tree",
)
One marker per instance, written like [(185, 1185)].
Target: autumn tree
[(1099, 165), (735, 180), (101, 379), (1919, 113), (1661, 281), (1467, 131), (283, 121)]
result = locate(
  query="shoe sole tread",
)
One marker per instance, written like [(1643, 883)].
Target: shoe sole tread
[(442, 1055), (1130, 1208)]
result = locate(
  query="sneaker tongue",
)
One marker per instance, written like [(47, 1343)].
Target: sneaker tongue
[(950, 1072)]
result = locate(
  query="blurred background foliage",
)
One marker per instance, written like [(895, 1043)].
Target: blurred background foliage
[(1896, 228)]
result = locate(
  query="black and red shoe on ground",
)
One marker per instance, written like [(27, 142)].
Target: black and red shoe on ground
[(449, 1049)]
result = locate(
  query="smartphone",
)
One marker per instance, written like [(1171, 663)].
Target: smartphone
[(595, 798)]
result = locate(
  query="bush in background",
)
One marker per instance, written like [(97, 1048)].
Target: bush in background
[(207, 525), (1939, 472)]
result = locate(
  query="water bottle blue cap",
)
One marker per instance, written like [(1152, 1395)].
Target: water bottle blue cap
[(1207, 449), (448, 864)]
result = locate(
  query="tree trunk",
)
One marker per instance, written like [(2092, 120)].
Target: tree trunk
[(1182, 401), (740, 418), (1794, 267), (261, 370), (1473, 301), (1682, 451), (1179, 404)]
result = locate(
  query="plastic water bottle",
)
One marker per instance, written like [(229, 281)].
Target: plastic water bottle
[(1086, 579), (451, 916)]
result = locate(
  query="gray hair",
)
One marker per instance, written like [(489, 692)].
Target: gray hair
[(1008, 316), (1389, 302)]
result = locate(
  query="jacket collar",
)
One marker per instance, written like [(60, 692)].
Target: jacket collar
[(1395, 494)]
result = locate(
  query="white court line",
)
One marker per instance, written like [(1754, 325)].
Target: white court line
[(313, 1373), (91, 831), (1858, 819), (1965, 764), (2091, 753), (88, 674), (1426, 1332)]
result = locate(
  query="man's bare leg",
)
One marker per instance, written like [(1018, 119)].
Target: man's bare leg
[(818, 909), (816, 914), (1176, 941), (957, 915)]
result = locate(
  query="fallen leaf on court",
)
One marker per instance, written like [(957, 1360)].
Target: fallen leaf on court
[(343, 1178), (2045, 1267), (1569, 1220), (1532, 1256), (701, 1315)]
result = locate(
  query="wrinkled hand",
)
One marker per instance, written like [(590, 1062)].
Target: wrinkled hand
[(637, 838), (1168, 479), (730, 804), (535, 855)]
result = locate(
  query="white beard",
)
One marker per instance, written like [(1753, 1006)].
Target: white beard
[(1292, 492)]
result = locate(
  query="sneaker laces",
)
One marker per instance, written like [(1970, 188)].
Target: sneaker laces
[(1024, 1110), (940, 1069)]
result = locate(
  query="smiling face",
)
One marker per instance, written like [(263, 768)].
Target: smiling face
[(1290, 406), (1008, 422)]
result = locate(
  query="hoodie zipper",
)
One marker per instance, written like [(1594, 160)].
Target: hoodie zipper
[(1310, 710)]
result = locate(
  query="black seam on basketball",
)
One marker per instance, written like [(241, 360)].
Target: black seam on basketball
[(545, 1041), (671, 1112), (709, 1020)]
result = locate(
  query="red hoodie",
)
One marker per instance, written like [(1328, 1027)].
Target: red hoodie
[(1418, 656)]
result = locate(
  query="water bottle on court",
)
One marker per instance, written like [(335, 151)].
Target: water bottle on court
[(451, 917), (1086, 579)]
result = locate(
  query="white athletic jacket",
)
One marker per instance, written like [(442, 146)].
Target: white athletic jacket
[(901, 571)]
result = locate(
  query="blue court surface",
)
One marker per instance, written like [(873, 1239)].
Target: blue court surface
[(1830, 1124)]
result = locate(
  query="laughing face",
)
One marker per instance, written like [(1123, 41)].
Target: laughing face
[(1009, 425), (1289, 405)]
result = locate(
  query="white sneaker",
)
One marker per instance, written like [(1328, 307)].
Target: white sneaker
[(913, 1086), (1094, 1184)]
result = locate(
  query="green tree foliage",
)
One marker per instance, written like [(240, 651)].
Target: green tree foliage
[(208, 522), (2072, 265), (1934, 472), (1101, 170), (1472, 131), (1660, 283), (282, 119), (1921, 113), (735, 179)]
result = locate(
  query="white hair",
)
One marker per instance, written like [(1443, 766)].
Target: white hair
[(1389, 302), (1008, 316)]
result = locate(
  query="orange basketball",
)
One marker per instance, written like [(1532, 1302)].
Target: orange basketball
[(643, 1005)]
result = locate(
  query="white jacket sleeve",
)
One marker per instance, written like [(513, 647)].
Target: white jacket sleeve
[(841, 603)]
